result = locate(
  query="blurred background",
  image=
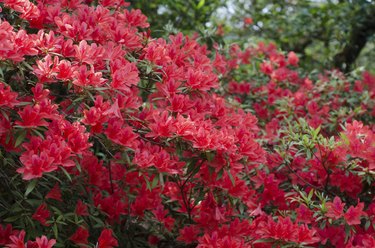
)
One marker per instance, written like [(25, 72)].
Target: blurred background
[(325, 34)]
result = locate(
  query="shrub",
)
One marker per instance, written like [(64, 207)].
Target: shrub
[(114, 139)]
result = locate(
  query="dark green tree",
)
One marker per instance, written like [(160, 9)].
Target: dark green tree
[(326, 33), (186, 16)]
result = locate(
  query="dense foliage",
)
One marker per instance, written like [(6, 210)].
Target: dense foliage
[(326, 33), (187, 16), (111, 138)]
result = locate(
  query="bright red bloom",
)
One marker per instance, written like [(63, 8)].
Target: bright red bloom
[(5, 233), (54, 193), (42, 214), (292, 59), (106, 239), (81, 209), (335, 208), (162, 125), (83, 77), (15, 45), (31, 117), (17, 241), (124, 75), (43, 242), (7, 97), (266, 68), (285, 230), (353, 214), (188, 234), (248, 20), (135, 18), (35, 165), (123, 135), (80, 237), (112, 205), (304, 214), (64, 70)]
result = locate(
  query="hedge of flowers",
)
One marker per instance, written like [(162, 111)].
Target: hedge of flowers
[(111, 138)]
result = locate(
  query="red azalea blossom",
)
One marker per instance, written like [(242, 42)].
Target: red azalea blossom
[(42, 214), (335, 208), (353, 214), (43, 242), (106, 239), (55, 193), (80, 237), (17, 241)]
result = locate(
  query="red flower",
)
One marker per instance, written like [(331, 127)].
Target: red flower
[(304, 214), (31, 117), (248, 21), (17, 241), (125, 76), (55, 193), (106, 239), (64, 70), (43, 242), (42, 214), (285, 230), (35, 165), (335, 208), (7, 97), (80, 237), (135, 18), (188, 234), (292, 59), (5, 233), (83, 78), (81, 209), (353, 214), (162, 126)]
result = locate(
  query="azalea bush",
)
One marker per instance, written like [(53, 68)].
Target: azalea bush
[(111, 138)]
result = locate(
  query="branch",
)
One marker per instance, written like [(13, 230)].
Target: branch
[(360, 33)]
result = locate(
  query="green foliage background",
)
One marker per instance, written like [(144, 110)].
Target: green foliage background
[(325, 33)]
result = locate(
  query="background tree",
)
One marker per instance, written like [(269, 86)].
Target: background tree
[(325, 33), (186, 16)]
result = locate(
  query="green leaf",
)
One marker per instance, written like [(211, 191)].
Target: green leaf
[(20, 138), (241, 209), (148, 185), (201, 4), (53, 177), (78, 166), (210, 156), (308, 154), (347, 232), (161, 179), (99, 222), (191, 166), (263, 240), (220, 174), (231, 177), (12, 219), (155, 182), (38, 133), (55, 231), (200, 197), (56, 210), (316, 132), (345, 138), (367, 225), (66, 174), (31, 187), (311, 193)]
